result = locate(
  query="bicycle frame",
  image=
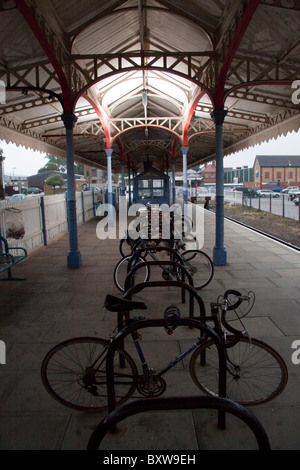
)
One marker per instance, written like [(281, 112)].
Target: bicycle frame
[(216, 328), (137, 325)]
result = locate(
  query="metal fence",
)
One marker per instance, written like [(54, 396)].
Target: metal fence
[(32, 222), (278, 203)]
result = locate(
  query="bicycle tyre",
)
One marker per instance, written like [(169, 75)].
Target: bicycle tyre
[(200, 267), (69, 377), (260, 375), (120, 272)]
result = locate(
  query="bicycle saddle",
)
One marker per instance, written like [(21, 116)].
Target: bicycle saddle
[(115, 304)]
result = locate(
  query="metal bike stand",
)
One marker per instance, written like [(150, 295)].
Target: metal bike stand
[(184, 273), (172, 253), (179, 403), (182, 285)]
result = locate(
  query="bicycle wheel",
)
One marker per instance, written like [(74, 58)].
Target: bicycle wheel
[(121, 272), (74, 373), (256, 373), (200, 266)]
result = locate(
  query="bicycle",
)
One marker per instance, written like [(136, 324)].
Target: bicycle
[(128, 243), (197, 263), (74, 371), (93, 373)]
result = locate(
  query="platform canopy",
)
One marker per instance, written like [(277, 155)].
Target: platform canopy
[(143, 76)]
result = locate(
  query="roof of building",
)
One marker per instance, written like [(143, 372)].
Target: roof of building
[(209, 169), (278, 160), (143, 77)]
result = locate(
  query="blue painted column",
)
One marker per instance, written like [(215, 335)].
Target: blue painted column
[(220, 253), (122, 178), (109, 188), (173, 181), (133, 192), (109, 179), (129, 190), (44, 228), (184, 174), (74, 255)]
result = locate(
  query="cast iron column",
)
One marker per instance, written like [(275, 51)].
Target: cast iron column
[(123, 177), (74, 255), (173, 181), (109, 188), (184, 174), (109, 180), (220, 254), (129, 189)]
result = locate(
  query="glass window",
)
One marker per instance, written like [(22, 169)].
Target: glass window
[(144, 183), (158, 183), (158, 192), (144, 193)]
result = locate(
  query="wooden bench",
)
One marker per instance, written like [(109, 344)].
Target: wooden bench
[(9, 258)]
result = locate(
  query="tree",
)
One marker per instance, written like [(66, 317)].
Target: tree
[(60, 164), (55, 180)]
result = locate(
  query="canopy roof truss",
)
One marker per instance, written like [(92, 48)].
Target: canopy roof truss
[(143, 76)]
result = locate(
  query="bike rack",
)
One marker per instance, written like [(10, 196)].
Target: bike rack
[(138, 253), (184, 272), (183, 285), (142, 252), (137, 325), (179, 403)]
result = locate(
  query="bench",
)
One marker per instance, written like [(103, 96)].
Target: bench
[(9, 258)]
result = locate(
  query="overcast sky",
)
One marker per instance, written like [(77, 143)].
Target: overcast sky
[(22, 162)]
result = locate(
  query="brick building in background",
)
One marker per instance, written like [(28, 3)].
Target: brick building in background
[(282, 170), (209, 173)]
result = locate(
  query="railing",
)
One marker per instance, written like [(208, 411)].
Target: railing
[(32, 222), (281, 205)]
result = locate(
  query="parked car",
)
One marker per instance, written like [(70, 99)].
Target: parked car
[(248, 192), (31, 190), (291, 189), (296, 201), (267, 192), (277, 190), (17, 196)]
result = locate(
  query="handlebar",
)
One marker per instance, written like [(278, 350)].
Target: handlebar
[(225, 305)]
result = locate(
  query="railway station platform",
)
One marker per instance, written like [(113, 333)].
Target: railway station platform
[(56, 303)]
